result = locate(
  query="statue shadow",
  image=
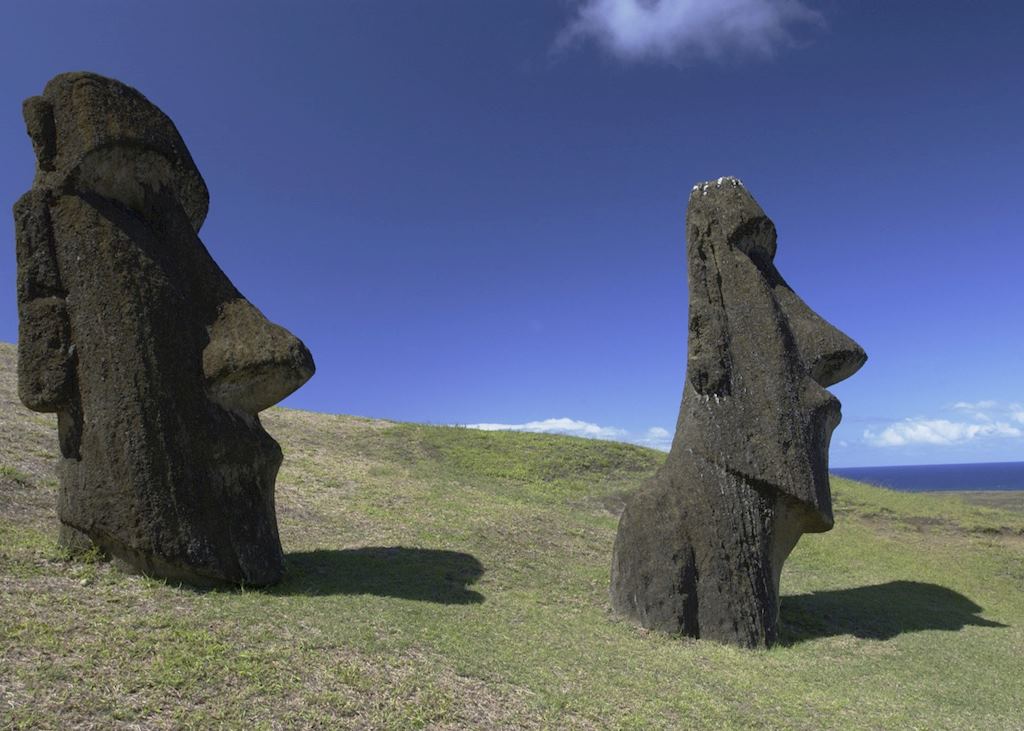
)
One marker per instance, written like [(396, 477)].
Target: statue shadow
[(877, 612), (422, 574)]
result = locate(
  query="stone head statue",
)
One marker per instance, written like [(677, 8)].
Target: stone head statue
[(154, 363), (700, 547)]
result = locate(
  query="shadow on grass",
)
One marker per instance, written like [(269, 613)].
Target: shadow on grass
[(423, 574), (877, 612)]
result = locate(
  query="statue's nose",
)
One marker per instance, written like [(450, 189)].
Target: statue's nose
[(829, 355), (250, 363)]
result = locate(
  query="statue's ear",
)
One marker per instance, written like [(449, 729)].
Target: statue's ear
[(45, 353), (708, 363), (38, 114)]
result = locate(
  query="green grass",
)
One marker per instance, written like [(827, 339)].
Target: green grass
[(449, 578), (14, 474)]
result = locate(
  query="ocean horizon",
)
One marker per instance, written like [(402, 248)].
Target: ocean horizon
[(933, 477)]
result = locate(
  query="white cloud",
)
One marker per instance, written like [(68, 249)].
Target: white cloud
[(991, 410), (655, 437), (937, 432), (672, 29), (558, 426), (975, 406)]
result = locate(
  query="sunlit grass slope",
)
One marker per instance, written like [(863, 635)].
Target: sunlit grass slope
[(449, 578)]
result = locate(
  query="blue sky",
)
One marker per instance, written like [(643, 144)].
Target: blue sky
[(472, 212)]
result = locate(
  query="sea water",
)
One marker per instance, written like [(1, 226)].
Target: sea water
[(918, 478)]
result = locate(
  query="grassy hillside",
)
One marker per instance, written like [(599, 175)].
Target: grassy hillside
[(449, 578)]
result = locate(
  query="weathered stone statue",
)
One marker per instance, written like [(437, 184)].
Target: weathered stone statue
[(155, 364), (700, 547)]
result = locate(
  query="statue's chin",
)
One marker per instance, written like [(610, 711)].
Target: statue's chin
[(825, 420)]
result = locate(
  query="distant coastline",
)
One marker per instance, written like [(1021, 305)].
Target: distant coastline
[(940, 477)]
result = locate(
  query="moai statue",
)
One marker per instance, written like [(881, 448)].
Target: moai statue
[(700, 546), (154, 363)]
